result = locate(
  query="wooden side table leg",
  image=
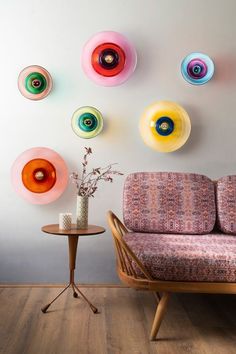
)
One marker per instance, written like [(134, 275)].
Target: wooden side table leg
[(93, 308), (44, 309), (73, 244), (75, 294)]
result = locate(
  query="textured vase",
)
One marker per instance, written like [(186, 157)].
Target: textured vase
[(82, 212)]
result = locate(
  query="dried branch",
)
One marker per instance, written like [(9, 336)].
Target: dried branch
[(87, 184)]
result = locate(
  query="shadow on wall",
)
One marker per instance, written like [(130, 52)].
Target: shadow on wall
[(114, 128), (65, 85), (195, 138), (145, 63), (225, 70), (115, 124)]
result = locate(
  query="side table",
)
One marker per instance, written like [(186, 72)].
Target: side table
[(73, 237)]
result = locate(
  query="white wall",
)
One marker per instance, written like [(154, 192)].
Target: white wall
[(52, 34)]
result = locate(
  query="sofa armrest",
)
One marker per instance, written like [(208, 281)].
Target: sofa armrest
[(124, 255)]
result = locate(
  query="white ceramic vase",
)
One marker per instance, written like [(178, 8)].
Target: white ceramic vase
[(82, 212)]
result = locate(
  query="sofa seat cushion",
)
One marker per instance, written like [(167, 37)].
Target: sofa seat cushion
[(226, 204), (169, 202), (205, 258)]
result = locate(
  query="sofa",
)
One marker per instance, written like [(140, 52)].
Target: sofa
[(178, 235)]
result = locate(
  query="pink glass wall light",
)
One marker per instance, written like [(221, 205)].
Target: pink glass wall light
[(109, 58), (35, 82), (39, 175)]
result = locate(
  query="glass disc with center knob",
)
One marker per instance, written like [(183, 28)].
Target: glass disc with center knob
[(109, 58), (197, 68), (39, 175), (87, 122), (35, 82), (165, 126)]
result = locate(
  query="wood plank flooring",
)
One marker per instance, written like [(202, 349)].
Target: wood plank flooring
[(194, 323)]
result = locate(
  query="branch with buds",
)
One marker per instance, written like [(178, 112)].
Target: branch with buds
[(87, 184)]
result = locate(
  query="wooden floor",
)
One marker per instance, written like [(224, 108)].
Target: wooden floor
[(193, 323)]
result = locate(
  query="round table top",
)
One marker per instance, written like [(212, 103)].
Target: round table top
[(91, 230)]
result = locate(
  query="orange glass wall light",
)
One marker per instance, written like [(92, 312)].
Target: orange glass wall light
[(39, 175)]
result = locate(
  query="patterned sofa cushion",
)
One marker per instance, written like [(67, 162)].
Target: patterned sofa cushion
[(226, 204), (206, 258), (168, 202)]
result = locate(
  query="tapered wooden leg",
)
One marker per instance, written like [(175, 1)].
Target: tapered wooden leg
[(44, 308), (161, 308), (73, 243), (93, 308)]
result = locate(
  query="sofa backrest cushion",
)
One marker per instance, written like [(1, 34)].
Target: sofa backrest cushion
[(226, 204), (168, 202)]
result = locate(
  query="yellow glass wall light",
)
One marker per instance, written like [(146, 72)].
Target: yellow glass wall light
[(165, 126)]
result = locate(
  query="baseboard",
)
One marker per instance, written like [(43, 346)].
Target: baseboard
[(60, 285)]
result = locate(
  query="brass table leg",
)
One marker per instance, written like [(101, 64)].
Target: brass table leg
[(72, 243)]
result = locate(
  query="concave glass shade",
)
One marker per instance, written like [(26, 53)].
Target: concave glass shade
[(35, 82), (197, 68), (87, 122), (39, 175), (109, 58), (165, 126)]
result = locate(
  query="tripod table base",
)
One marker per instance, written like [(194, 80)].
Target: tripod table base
[(73, 237)]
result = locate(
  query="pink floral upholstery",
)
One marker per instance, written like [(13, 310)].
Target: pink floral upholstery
[(207, 258), (226, 204), (169, 203)]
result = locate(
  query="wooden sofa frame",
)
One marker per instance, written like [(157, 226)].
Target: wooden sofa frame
[(125, 259)]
